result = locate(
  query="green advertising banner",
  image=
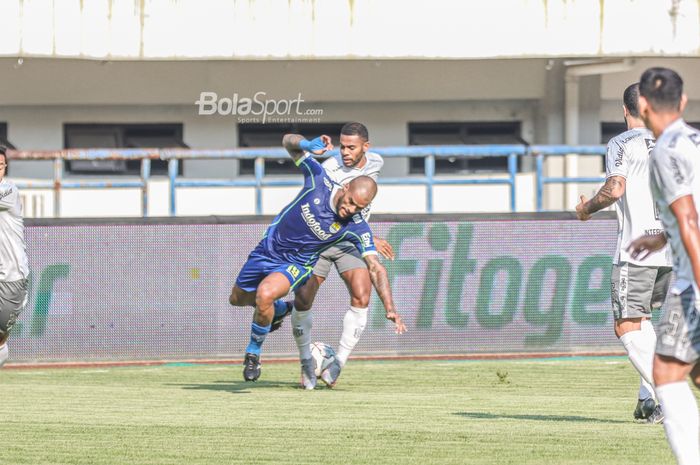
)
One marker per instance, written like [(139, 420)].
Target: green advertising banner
[(160, 291)]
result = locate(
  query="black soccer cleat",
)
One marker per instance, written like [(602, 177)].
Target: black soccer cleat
[(657, 416), (277, 320), (251, 367), (644, 408)]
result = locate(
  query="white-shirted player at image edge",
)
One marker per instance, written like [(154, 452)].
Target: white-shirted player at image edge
[(675, 184), (354, 159), (637, 287), (14, 268)]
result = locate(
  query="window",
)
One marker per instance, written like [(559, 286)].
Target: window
[(83, 136), (3, 137), (270, 135), (472, 133)]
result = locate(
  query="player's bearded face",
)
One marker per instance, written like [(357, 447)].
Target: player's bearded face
[(3, 166), (352, 149)]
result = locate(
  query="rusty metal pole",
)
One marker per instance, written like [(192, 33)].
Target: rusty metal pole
[(57, 180)]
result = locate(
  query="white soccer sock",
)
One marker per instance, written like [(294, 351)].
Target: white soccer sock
[(4, 354), (301, 326), (646, 389), (681, 421), (353, 324), (640, 350)]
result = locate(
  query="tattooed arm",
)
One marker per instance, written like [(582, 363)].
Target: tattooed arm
[(612, 190), (380, 281), (296, 145)]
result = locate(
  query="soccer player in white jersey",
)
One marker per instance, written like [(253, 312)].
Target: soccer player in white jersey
[(675, 184), (354, 160), (636, 287), (14, 268)]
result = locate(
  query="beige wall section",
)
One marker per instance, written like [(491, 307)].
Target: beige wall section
[(68, 82)]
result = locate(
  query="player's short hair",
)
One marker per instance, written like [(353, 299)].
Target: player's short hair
[(662, 87), (630, 99), (355, 129)]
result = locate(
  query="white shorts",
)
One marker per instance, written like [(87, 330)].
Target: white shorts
[(637, 290), (345, 256), (678, 334)]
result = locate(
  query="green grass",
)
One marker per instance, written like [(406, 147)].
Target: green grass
[(576, 411)]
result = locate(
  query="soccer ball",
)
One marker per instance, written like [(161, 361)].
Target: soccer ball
[(323, 355)]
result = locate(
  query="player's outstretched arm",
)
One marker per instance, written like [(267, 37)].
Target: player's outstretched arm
[(296, 145), (612, 190), (380, 281), (687, 216)]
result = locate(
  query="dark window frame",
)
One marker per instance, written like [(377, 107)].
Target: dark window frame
[(3, 136), (123, 132), (467, 133)]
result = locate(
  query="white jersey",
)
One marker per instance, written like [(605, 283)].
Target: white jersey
[(628, 157), (14, 264), (675, 160), (341, 174)]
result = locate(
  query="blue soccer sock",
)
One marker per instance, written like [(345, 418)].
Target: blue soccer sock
[(280, 307), (257, 337)]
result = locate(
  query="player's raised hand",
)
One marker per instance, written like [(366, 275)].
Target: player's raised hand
[(400, 327), (317, 146), (581, 212), (643, 246), (384, 248)]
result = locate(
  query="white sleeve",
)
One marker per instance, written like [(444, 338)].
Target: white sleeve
[(8, 196), (673, 174), (616, 160)]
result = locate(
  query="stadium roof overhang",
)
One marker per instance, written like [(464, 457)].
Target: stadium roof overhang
[(347, 29)]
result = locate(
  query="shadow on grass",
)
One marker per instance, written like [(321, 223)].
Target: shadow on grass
[(238, 387), (570, 418)]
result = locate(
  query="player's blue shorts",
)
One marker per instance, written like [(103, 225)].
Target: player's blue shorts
[(259, 265)]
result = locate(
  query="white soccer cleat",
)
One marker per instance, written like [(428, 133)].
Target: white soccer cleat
[(331, 373)]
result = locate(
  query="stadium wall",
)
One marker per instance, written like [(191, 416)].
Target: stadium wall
[(157, 289)]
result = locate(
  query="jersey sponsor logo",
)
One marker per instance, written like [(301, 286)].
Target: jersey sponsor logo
[(675, 167), (313, 223), (335, 227), (293, 271), (618, 157), (695, 138), (366, 239), (650, 144), (357, 217), (5, 193)]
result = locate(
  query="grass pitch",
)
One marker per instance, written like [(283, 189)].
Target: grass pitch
[(573, 411)]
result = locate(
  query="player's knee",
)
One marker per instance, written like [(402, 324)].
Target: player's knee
[(360, 300), (265, 296), (359, 295), (302, 304)]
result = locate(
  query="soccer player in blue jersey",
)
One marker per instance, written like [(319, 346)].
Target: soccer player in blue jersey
[(322, 214)]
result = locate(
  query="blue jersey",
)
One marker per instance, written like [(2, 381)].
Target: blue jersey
[(309, 225)]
